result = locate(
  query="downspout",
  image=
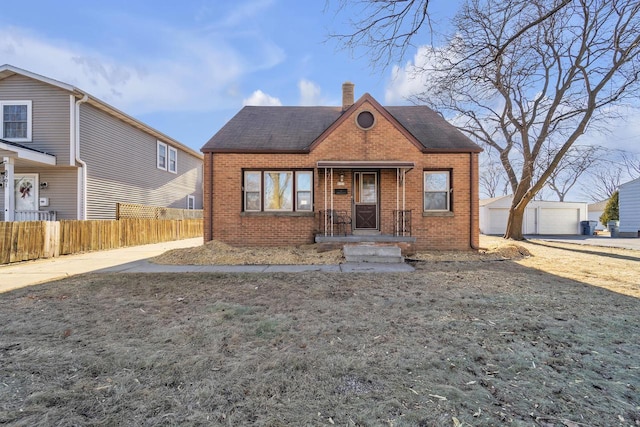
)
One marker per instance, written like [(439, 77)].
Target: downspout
[(210, 161), (472, 199), (82, 196)]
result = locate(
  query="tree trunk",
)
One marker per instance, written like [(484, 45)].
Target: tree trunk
[(514, 223)]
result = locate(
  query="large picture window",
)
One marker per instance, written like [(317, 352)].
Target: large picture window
[(15, 119), (437, 191), (278, 191)]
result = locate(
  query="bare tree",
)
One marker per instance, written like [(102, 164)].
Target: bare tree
[(603, 182), (523, 77), (631, 163), (387, 28), (613, 168), (492, 179), (543, 91), (578, 161)]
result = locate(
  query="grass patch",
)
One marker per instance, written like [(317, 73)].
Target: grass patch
[(453, 344)]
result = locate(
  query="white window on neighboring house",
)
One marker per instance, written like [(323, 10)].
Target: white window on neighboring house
[(191, 202), (16, 120), (173, 160), (437, 191), (161, 156)]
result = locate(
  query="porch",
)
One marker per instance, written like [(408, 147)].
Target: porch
[(34, 216), (354, 208), (19, 191)]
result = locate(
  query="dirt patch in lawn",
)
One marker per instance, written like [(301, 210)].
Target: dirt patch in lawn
[(612, 268), (479, 341), (218, 253)]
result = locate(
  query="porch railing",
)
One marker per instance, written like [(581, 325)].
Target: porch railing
[(402, 222), (333, 222), (34, 215)]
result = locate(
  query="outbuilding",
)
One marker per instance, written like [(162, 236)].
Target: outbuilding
[(540, 216)]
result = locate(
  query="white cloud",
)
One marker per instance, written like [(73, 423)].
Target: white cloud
[(258, 97), (309, 92), (156, 67), (408, 80)]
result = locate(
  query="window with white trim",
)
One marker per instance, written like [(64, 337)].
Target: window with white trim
[(161, 155), (303, 191), (191, 202), (278, 191), (252, 191), (15, 121), (172, 166), (437, 191)]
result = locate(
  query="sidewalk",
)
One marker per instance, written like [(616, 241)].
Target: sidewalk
[(605, 241), (14, 276), (135, 260)]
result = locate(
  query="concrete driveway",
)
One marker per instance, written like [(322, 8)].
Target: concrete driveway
[(606, 241)]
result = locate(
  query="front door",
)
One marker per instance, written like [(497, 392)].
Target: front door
[(365, 191)]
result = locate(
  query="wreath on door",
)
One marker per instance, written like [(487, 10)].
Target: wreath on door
[(25, 189)]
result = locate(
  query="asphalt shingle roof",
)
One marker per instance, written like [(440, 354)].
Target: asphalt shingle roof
[(294, 129)]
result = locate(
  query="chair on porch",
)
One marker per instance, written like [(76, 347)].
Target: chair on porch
[(340, 220)]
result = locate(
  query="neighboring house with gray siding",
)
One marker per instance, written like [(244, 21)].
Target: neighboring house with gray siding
[(65, 154), (629, 208)]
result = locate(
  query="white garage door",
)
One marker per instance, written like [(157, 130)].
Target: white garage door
[(498, 221), (559, 221)]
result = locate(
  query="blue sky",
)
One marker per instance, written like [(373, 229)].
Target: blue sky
[(187, 67)]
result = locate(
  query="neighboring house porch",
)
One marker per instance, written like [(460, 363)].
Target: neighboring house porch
[(22, 198)]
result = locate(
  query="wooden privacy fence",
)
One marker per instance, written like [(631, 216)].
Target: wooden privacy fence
[(23, 241), (27, 240), (132, 210)]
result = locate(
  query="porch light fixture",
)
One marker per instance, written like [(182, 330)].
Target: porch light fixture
[(341, 179), (44, 184)]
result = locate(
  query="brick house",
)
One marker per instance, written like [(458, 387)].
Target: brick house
[(276, 176)]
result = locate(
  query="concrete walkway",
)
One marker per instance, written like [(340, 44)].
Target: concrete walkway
[(136, 260), (605, 241)]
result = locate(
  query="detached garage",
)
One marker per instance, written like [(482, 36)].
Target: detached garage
[(540, 217)]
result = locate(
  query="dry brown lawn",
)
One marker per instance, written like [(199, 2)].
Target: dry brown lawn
[(526, 334)]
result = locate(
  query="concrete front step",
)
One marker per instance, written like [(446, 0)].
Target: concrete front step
[(372, 253)]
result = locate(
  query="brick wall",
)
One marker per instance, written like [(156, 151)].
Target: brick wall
[(225, 221)]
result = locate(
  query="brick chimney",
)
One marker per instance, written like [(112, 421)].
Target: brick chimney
[(347, 95)]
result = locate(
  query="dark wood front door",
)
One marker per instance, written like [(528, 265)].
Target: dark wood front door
[(365, 200)]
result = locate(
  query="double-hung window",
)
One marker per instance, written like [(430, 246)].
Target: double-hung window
[(16, 120), (278, 191), (166, 157), (172, 166), (303, 190), (161, 155), (191, 202), (252, 191), (437, 191)]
